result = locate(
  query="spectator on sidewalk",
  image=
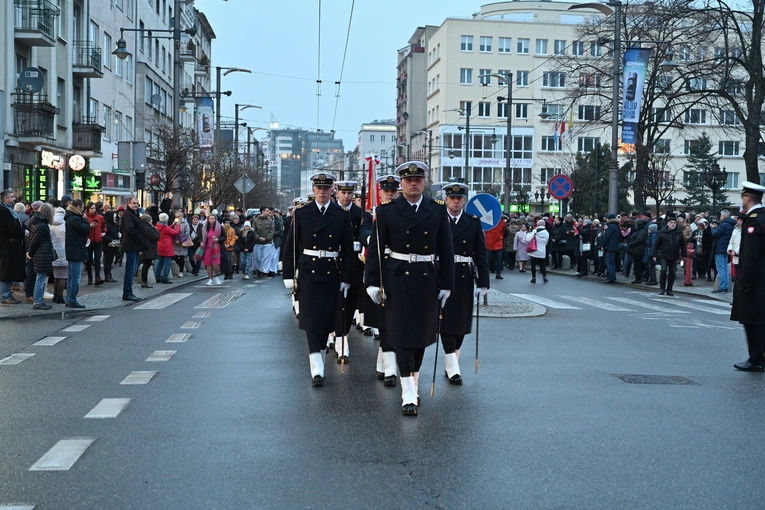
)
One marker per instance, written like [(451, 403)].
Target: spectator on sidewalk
[(12, 251), (513, 227), (77, 231), (734, 245), (195, 233), (520, 240), (132, 245), (212, 242), (278, 240), (584, 245), (180, 251), (111, 242), (669, 248), (149, 254), (653, 230), (722, 235), (41, 252), (96, 246), (610, 245), (539, 255), (245, 243), (264, 233), (60, 265), (636, 248), (165, 251), (495, 244)]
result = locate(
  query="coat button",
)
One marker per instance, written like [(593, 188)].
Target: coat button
[(330, 235), (314, 259), (314, 247), (464, 242), (463, 275), (407, 231), (425, 274), (425, 248), (328, 272), (314, 235), (426, 233), (407, 273), (464, 253), (407, 246), (313, 271)]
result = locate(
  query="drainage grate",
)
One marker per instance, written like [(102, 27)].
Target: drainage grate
[(654, 379)]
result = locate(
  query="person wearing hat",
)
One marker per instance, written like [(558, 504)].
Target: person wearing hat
[(319, 249), (245, 243), (668, 249), (132, 244), (348, 305), (749, 292), (471, 265), (610, 245), (414, 289), (373, 314)]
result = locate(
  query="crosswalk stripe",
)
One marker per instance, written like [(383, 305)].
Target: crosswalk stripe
[(598, 304), (712, 302), (202, 315), (108, 408), (546, 302), (97, 318), (47, 341), (649, 306), (221, 300), (698, 308), (15, 359), (76, 327), (191, 325), (63, 455), (161, 356), (139, 377), (163, 301), (17, 507), (178, 337)]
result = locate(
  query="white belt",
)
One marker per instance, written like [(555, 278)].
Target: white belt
[(460, 258), (412, 257), (324, 254)]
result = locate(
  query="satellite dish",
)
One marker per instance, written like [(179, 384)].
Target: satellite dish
[(31, 80), (155, 99)]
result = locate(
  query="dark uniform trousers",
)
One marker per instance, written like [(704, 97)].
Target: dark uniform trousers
[(374, 314), (749, 292), (411, 288), (348, 305), (319, 278)]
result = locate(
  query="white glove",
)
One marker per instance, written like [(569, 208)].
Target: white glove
[(288, 283), (481, 292), (375, 294), (120, 235), (344, 289), (443, 295)]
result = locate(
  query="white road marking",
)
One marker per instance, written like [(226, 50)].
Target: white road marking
[(212, 286), (698, 308), (714, 326), (598, 304), (63, 455), (161, 356), (712, 302), (221, 300), (178, 337), (97, 318), (163, 301), (642, 304), (191, 325), (17, 507), (139, 377), (546, 302), (15, 359), (49, 340), (202, 315), (108, 408), (76, 327)]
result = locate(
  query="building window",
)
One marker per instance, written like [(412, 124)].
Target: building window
[(466, 43), (504, 45), (661, 115), (523, 147), (553, 79), (559, 47), (371, 138), (587, 143), (577, 48), (589, 112), (483, 77), (93, 34), (661, 146), (689, 146), (464, 107), (549, 173), (117, 126), (129, 9), (549, 145), (728, 148), (382, 138), (118, 66), (107, 123), (522, 47), (505, 73), (522, 78), (148, 90), (93, 104), (156, 51), (485, 46), (694, 116), (107, 51), (118, 3), (555, 111), (129, 69), (731, 182), (734, 87), (541, 47), (466, 76), (61, 100), (164, 60), (522, 111), (695, 84), (484, 109), (729, 118), (142, 40), (589, 80), (595, 49), (502, 110)]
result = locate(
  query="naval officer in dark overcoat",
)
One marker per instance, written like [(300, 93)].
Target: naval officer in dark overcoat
[(749, 292), (416, 230), (471, 265), (320, 250)]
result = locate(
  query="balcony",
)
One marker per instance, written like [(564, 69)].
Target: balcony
[(87, 60), (201, 70), (34, 22), (34, 117), (86, 138), (187, 55)]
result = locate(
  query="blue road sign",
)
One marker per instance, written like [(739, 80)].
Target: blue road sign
[(487, 208), (560, 187)]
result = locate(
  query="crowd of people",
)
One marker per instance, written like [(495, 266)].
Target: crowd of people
[(632, 244), (49, 243)]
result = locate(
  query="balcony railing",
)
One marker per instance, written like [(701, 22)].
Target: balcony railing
[(86, 135), (87, 59), (35, 21), (34, 116)]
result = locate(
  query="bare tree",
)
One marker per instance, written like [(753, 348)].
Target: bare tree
[(660, 178)]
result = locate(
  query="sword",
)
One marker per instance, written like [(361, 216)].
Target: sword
[(435, 360), (379, 259), (342, 352), (477, 316)]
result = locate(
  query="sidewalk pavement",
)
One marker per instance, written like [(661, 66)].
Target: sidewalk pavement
[(97, 297)]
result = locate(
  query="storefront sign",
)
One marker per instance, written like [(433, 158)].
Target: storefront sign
[(35, 184), (488, 162), (50, 159), (87, 182), (76, 162)]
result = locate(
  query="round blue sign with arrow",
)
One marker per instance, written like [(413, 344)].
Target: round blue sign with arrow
[(487, 208), (560, 187)]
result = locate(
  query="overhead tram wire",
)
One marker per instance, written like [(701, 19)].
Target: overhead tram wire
[(342, 67), (318, 74)]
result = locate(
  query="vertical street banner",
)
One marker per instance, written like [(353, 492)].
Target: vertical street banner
[(635, 66), (205, 122)]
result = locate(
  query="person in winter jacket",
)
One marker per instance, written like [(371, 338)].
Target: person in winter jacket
[(40, 252), (722, 235), (132, 244), (263, 226), (77, 231), (179, 251), (636, 248), (583, 258), (734, 244), (610, 245), (112, 237), (60, 265), (95, 248), (495, 242), (653, 229), (195, 233), (149, 254), (539, 255), (165, 250), (669, 248), (227, 265), (245, 243), (519, 246)]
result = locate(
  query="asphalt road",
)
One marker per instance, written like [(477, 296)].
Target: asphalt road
[(230, 419)]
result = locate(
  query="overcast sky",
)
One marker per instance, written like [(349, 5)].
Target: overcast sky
[(278, 41)]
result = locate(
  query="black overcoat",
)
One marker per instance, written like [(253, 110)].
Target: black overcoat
[(40, 244), (749, 292), (469, 241), (318, 279), (76, 237), (12, 252), (357, 280), (411, 288)]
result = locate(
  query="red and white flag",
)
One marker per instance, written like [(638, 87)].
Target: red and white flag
[(373, 191)]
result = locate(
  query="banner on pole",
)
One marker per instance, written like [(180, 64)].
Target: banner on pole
[(635, 66), (205, 122)]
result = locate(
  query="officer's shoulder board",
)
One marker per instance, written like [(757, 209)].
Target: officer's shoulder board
[(386, 202), (439, 201), (753, 215), (475, 217)]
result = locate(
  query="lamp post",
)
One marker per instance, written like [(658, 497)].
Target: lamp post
[(714, 178), (237, 108), (429, 147), (540, 196), (218, 70)]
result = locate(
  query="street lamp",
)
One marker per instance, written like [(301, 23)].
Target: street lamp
[(218, 70), (466, 113), (237, 108), (715, 179), (540, 197)]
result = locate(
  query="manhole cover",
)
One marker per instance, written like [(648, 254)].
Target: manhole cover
[(654, 379)]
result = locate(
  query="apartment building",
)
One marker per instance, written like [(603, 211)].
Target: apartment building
[(379, 137)]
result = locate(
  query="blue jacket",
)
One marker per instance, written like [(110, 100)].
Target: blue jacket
[(722, 235), (610, 240), (650, 242)]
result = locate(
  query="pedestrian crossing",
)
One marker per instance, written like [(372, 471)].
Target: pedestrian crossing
[(639, 304)]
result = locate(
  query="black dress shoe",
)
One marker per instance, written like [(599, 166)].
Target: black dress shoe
[(146, 286), (748, 366), (331, 346), (359, 327), (409, 410), (377, 336), (724, 291), (499, 277), (369, 332), (74, 305), (340, 359), (456, 379), (609, 281), (380, 375), (670, 293), (390, 380), (132, 298), (317, 381), (661, 292), (636, 281)]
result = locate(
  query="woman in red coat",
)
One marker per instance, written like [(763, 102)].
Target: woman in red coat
[(96, 246), (165, 249), (495, 242)]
